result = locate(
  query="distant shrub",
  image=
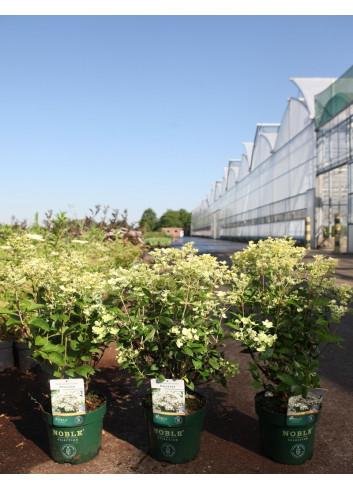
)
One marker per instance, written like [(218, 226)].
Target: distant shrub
[(156, 234), (158, 242)]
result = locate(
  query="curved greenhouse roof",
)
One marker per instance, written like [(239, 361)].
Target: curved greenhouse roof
[(310, 87), (334, 98)]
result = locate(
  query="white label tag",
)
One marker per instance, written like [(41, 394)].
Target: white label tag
[(67, 397), (168, 401), (297, 405)]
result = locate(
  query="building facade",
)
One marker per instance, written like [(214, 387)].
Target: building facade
[(174, 232), (294, 170)]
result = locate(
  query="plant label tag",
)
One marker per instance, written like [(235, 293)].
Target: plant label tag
[(168, 402), (303, 411), (67, 401)]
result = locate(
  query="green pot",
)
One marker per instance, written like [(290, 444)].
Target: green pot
[(283, 442), (176, 444), (6, 355), (79, 443)]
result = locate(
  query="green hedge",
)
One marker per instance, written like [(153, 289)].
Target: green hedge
[(156, 234), (157, 241)]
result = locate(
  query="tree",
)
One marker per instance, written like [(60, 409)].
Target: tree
[(185, 218), (170, 219), (176, 219), (149, 220)]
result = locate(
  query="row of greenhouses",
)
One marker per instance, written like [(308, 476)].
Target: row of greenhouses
[(294, 173)]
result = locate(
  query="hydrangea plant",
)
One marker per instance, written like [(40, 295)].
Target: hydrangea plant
[(284, 309), (57, 304), (171, 317)]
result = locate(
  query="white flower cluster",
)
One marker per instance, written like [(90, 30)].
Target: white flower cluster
[(36, 237), (103, 326), (184, 334), (254, 335), (67, 402), (172, 401)]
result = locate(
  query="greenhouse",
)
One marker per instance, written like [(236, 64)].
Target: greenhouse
[(295, 178)]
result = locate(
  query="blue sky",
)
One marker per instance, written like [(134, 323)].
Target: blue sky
[(144, 111)]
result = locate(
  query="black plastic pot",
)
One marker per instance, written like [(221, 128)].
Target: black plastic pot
[(22, 356), (6, 355)]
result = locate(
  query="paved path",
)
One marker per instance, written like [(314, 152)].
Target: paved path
[(212, 246)]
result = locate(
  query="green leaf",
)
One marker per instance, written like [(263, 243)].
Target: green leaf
[(7, 311), (166, 321), (147, 292), (205, 373), (40, 340), (40, 323), (256, 385), (50, 347), (213, 363), (322, 322), (63, 317), (285, 349), (84, 370), (330, 338), (151, 334), (13, 321), (32, 306), (288, 379), (252, 367), (44, 355), (282, 387), (179, 356), (196, 345), (287, 335), (56, 358), (188, 351), (122, 315), (297, 391), (57, 374), (232, 325), (254, 372), (161, 377), (265, 355), (197, 363)]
